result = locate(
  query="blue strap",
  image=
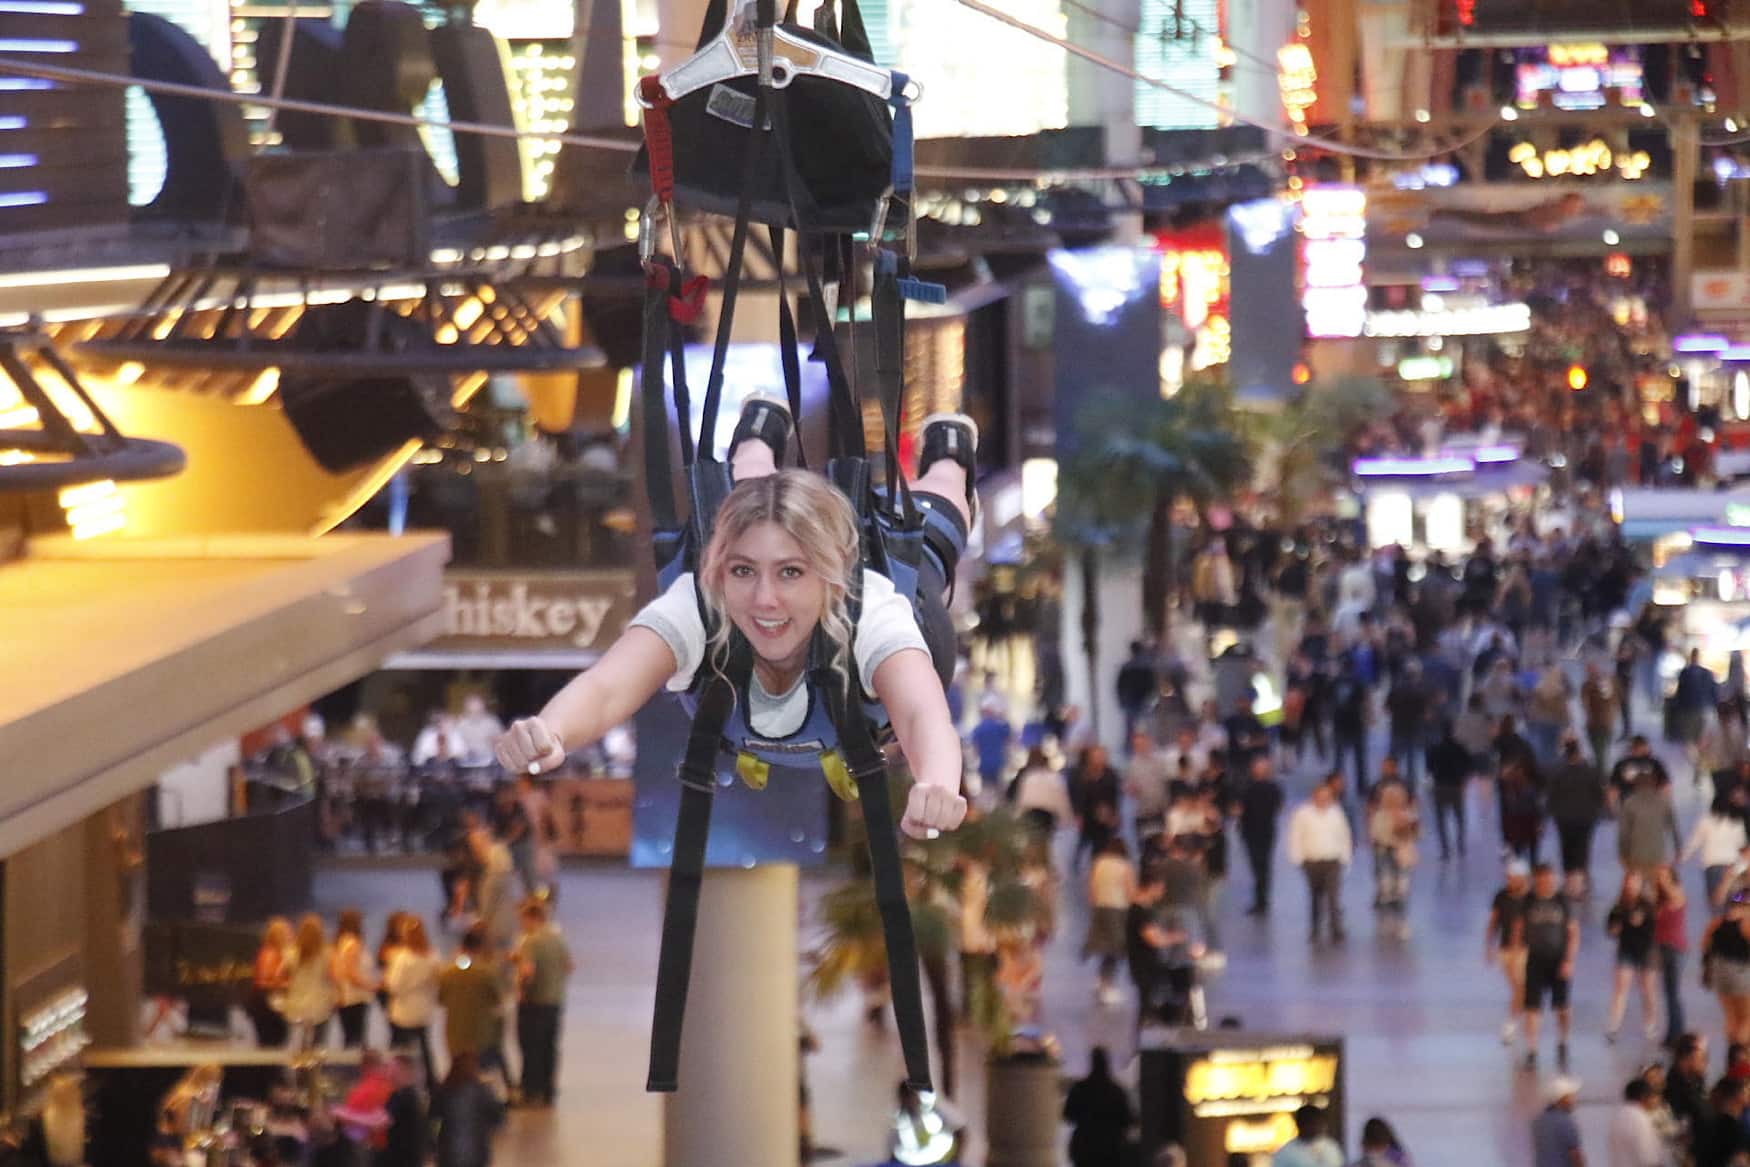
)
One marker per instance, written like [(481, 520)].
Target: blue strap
[(910, 287), (902, 134)]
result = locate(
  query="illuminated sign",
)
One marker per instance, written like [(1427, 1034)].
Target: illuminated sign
[(1333, 225), (1425, 368), (1579, 76), (1594, 157), (1298, 79), (1196, 286), (493, 611), (934, 39), (1477, 321), (1263, 1137), (1294, 1074), (1180, 42), (1566, 56)]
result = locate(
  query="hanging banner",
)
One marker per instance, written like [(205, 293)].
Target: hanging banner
[(1526, 216)]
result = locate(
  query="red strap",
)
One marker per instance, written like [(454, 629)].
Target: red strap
[(658, 137), (685, 308)]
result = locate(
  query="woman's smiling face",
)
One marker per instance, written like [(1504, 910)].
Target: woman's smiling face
[(772, 594)]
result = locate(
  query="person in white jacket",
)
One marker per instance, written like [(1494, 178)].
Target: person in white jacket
[(1319, 843), (1717, 838)]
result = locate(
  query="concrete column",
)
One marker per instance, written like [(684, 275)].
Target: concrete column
[(1686, 156), (738, 1072), (1257, 30)]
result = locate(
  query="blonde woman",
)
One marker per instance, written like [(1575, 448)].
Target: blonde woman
[(781, 561), (354, 972), (778, 566), (309, 1001), (412, 980)]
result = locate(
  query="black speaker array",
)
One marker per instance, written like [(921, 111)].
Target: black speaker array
[(347, 422)]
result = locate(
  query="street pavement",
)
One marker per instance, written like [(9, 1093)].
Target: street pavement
[(1421, 1014)]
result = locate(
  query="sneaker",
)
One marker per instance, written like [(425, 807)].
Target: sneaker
[(768, 419), (1651, 1031), (1509, 1031), (1562, 1057), (953, 436)]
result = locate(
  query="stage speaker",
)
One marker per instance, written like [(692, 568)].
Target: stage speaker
[(614, 313), (346, 421), (489, 169), (341, 210), (206, 144)]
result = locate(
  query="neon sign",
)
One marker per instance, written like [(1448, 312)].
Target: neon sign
[(1196, 286), (1334, 227), (1298, 78), (1590, 158), (1260, 1076)]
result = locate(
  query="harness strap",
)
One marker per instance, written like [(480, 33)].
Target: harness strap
[(660, 281), (680, 915), (758, 137), (863, 759), (658, 137), (789, 351)]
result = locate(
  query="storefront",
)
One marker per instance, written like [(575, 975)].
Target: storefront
[(124, 658), (1229, 1096), (1446, 501)]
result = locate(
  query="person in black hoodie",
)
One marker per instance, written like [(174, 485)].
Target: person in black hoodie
[(1258, 806), (1686, 1084), (1099, 1110), (1574, 798)]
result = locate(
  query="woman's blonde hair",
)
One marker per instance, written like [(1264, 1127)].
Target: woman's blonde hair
[(278, 933), (811, 511)]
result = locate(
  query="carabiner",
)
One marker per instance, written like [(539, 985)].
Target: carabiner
[(646, 234)]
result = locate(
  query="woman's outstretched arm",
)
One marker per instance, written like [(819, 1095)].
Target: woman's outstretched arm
[(595, 701), (907, 686)]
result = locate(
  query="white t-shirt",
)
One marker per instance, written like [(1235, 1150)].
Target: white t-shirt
[(413, 989), (886, 626)]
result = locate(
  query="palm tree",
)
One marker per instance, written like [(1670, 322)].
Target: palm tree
[(1135, 464), (1301, 444), (852, 949)]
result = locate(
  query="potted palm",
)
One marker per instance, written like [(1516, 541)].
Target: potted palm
[(999, 855)]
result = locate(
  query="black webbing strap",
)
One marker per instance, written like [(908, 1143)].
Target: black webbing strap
[(789, 347), (863, 759), (887, 306), (680, 913), (844, 414), (662, 342)]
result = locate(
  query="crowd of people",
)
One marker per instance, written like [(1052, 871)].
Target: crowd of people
[(1533, 666), (507, 976)]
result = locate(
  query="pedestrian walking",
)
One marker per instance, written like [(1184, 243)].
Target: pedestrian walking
[(1320, 844), (1555, 1136), (1550, 932), (544, 966), (1574, 798), (1504, 941), (1631, 924), (1258, 809), (1100, 1112)]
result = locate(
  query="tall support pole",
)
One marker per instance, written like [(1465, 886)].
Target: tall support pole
[(739, 1052), (1686, 152)]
